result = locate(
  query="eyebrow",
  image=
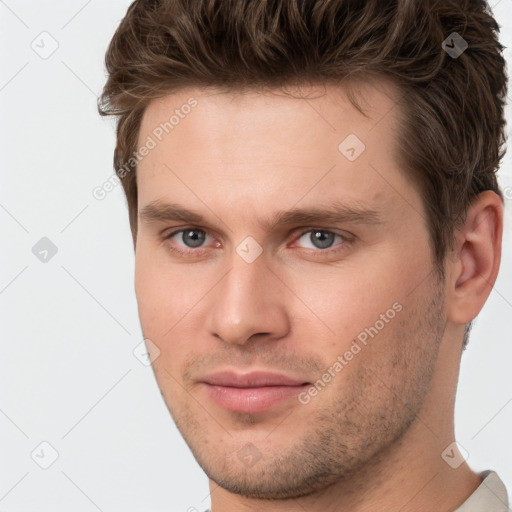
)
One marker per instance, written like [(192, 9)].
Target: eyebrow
[(337, 212)]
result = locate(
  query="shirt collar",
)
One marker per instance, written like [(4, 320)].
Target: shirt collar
[(489, 496)]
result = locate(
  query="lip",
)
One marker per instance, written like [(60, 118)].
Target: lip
[(252, 392), (251, 400), (251, 380)]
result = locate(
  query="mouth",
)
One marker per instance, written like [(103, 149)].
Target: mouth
[(253, 392), (252, 399)]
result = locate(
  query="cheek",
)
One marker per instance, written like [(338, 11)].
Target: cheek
[(344, 302), (158, 291), (160, 286), (168, 299)]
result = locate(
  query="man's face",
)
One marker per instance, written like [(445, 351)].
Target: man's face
[(235, 290)]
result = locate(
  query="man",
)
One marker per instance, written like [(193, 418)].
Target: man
[(316, 220)]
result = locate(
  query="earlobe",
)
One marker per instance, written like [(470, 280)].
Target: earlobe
[(476, 266)]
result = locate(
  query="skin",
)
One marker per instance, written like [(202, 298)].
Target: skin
[(372, 438)]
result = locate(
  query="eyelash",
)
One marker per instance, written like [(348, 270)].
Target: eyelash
[(328, 251)]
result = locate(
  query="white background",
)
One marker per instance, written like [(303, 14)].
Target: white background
[(68, 375)]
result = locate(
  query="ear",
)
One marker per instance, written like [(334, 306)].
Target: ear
[(473, 265)]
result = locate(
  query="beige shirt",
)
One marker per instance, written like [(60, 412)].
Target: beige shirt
[(490, 496)]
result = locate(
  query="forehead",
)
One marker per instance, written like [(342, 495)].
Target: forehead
[(251, 147), (210, 112)]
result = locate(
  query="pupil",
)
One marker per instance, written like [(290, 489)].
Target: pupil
[(321, 239)]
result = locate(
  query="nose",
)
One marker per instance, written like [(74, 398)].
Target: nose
[(249, 300)]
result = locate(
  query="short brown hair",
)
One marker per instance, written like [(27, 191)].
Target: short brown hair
[(452, 120)]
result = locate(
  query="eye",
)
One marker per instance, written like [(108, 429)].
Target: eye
[(191, 238), (194, 241), (320, 238)]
